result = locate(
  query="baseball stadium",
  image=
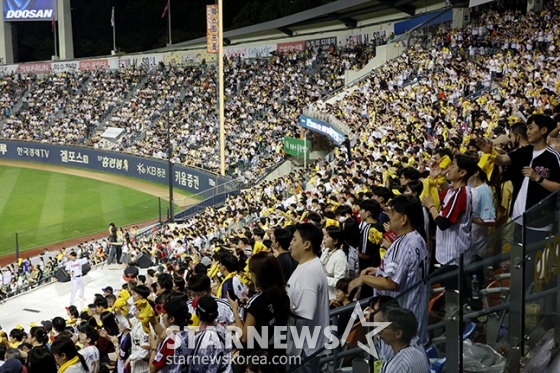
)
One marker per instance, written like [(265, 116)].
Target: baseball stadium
[(355, 186)]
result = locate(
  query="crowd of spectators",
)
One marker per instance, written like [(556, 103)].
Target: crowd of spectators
[(263, 100), (411, 171)]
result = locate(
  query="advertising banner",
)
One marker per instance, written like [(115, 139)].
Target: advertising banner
[(59, 67), (36, 68), (321, 127), (297, 147), (235, 52), (294, 46), (186, 178), (141, 60), (188, 57), (323, 43), (212, 45), (29, 10), (261, 51), (94, 65)]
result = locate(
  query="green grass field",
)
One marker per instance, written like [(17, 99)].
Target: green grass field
[(47, 207)]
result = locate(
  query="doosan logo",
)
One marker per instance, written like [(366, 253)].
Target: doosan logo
[(28, 9), (34, 13)]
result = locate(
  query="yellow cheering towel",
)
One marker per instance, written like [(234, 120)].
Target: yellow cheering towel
[(146, 312), (487, 162), (431, 186), (259, 246), (213, 271), (245, 277), (331, 223), (69, 363), (374, 236), (121, 301)]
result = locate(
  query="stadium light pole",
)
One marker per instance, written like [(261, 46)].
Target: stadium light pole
[(170, 163), (221, 87)]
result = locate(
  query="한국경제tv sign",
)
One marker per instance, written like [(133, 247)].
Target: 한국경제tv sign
[(29, 10)]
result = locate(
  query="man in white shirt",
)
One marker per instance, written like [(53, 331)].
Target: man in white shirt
[(74, 270), (308, 292)]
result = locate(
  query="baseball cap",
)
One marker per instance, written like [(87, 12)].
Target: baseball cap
[(206, 261), (47, 324), (207, 307), (11, 366), (108, 289), (501, 140), (173, 306)]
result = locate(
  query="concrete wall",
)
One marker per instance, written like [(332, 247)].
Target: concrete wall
[(384, 54)]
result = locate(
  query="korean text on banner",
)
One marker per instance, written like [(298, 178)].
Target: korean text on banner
[(212, 28), (297, 147), (294, 46)]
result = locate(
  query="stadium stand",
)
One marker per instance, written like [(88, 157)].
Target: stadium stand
[(451, 89)]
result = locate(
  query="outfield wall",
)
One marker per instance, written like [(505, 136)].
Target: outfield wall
[(192, 180)]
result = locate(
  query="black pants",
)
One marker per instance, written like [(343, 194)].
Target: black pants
[(118, 250)]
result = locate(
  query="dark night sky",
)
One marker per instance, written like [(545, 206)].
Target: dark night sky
[(139, 25)]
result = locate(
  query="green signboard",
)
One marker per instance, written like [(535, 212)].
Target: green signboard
[(296, 147)]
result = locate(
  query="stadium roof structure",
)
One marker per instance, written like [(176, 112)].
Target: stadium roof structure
[(344, 12)]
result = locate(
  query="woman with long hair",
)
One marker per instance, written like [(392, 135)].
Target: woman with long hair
[(38, 336), (110, 323), (334, 258), (41, 360), (269, 307), (67, 357)]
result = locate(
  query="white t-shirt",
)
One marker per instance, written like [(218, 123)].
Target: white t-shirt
[(309, 298), (483, 208), (336, 267), (91, 356), (75, 267), (520, 201)]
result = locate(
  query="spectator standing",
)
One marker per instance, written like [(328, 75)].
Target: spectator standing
[(535, 172), (453, 233), (268, 308), (88, 337), (308, 292), (406, 262), (67, 357), (281, 242), (210, 354), (334, 258)]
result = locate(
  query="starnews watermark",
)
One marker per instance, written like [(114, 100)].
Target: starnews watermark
[(291, 338), (206, 360)]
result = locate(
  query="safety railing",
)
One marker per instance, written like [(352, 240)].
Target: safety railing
[(494, 309)]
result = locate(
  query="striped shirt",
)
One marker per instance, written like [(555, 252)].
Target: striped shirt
[(407, 360), (455, 240), (385, 352), (225, 313), (137, 352), (406, 263)]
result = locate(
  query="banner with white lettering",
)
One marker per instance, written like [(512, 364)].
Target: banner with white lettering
[(29, 10), (321, 127), (187, 178)]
